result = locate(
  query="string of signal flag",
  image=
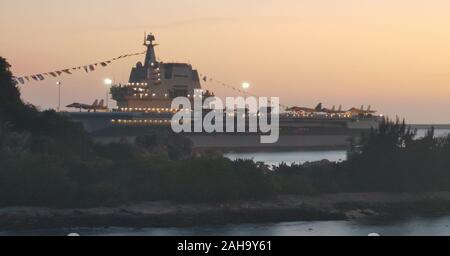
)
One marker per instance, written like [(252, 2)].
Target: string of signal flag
[(234, 88), (69, 71), (92, 67)]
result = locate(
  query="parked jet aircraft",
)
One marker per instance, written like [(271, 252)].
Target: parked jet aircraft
[(96, 106), (317, 109), (361, 111), (333, 110)]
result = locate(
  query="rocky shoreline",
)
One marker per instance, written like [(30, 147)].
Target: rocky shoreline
[(280, 209)]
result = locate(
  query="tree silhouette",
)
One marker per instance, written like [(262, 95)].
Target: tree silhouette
[(9, 93)]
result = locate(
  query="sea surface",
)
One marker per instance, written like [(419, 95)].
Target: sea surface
[(437, 132), (290, 157), (438, 226), (300, 157)]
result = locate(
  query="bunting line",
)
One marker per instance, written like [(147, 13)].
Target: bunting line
[(69, 71)]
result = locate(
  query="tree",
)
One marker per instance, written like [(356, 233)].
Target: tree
[(9, 93)]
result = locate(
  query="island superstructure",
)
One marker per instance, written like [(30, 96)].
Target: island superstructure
[(153, 84)]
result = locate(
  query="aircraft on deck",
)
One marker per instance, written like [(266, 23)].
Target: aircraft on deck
[(333, 110), (317, 109), (320, 110), (96, 106), (361, 111)]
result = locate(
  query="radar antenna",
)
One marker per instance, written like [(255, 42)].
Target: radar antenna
[(150, 58)]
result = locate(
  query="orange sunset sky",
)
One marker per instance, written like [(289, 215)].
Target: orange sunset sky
[(391, 54)]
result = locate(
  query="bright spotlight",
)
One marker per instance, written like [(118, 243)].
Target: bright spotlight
[(245, 85), (108, 81)]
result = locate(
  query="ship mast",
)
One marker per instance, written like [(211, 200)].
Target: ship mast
[(150, 57)]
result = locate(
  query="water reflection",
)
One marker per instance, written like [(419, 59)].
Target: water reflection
[(407, 227), (438, 133), (298, 157)]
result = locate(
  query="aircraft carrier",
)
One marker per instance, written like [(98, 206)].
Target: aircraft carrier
[(144, 103)]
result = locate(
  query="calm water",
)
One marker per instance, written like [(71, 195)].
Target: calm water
[(410, 227), (437, 132), (299, 157)]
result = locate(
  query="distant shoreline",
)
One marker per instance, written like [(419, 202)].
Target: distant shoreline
[(280, 209)]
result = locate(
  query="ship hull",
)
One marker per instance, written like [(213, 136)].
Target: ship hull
[(295, 134)]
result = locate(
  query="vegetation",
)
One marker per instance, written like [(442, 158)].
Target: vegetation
[(46, 160), (390, 160)]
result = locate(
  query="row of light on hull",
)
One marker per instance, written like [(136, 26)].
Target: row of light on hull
[(169, 110), (300, 115), (140, 121), (158, 110), (147, 95), (313, 115), (136, 84), (141, 95)]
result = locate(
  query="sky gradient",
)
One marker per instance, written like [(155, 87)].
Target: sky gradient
[(393, 55)]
